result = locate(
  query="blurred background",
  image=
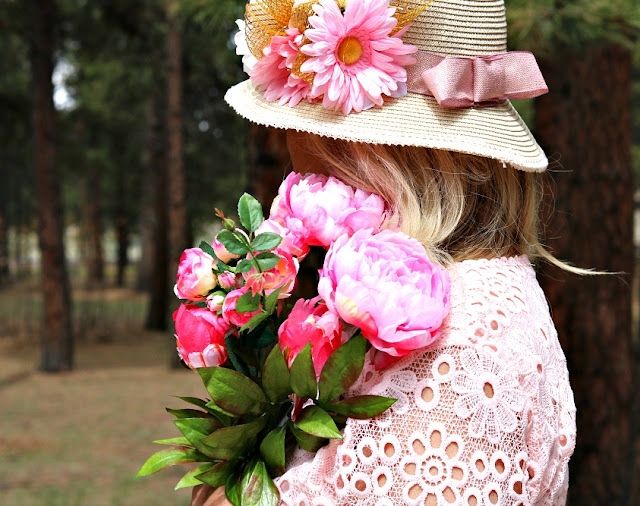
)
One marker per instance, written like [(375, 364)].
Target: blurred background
[(115, 148)]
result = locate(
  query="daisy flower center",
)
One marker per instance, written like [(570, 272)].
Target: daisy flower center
[(350, 50)]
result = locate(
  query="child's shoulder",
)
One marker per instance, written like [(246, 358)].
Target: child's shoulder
[(494, 301)]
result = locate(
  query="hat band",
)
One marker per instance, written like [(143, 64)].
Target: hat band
[(482, 80)]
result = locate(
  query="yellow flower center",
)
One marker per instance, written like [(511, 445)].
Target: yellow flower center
[(349, 50)]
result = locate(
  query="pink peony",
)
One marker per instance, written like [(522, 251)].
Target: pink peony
[(354, 56), (291, 243), (319, 209), (195, 275), (229, 308), (200, 336), (311, 321), (272, 73), (282, 275), (385, 284)]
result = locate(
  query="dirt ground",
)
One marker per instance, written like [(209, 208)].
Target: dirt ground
[(79, 438)]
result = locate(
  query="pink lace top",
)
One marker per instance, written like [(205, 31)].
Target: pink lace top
[(486, 417)]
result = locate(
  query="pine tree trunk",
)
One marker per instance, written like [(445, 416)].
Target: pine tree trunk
[(95, 261), (153, 269), (57, 336), (148, 218), (586, 122), (122, 231), (4, 246), (176, 181), (158, 255)]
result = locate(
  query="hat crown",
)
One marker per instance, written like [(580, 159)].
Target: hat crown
[(459, 27)]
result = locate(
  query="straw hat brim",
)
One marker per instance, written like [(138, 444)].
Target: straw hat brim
[(414, 120)]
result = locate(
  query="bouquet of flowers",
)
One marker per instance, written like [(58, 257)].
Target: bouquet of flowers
[(277, 370)]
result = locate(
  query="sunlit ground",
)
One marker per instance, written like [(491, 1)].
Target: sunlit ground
[(79, 438)]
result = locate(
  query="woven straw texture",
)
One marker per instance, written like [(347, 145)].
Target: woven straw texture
[(447, 27)]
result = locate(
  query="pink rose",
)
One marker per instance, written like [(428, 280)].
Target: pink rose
[(195, 275), (229, 281), (291, 243), (385, 284), (200, 336), (221, 251), (319, 209), (229, 312), (215, 301), (311, 321), (282, 275)]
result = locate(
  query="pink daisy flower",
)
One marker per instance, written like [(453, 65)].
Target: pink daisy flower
[(272, 73), (355, 58)]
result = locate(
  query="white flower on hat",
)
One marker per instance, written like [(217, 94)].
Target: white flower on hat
[(242, 48)]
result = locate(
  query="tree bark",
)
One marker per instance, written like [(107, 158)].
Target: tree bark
[(153, 269), (93, 219), (586, 120), (159, 255), (4, 246), (57, 336), (122, 232), (176, 180), (148, 218)]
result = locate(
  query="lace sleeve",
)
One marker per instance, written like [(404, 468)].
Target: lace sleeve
[(487, 418), (456, 435)]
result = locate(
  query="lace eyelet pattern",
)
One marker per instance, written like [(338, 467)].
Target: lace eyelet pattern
[(485, 417)]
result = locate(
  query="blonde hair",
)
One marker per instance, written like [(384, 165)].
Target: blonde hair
[(459, 206)]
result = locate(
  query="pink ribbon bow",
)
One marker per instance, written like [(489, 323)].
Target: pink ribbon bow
[(481, 80)]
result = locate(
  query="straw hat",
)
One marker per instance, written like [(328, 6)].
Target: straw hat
[(463, 29)]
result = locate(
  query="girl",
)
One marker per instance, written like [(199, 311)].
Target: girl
[(411, 102)]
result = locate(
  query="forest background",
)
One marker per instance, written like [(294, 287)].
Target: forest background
[(115, 147)]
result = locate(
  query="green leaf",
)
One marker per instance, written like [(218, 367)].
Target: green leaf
[(194, 429), (201, 403), (178, 441), (275, 376), (266, 339), (187, 413), (306, 441), (266, 241), (222, 267), (303, 375), (232, 442), (232, 243), (272, 451), (218, 475), (231, 342), (257, 487), (217, 410), (317, 422), (166, 458), (244, 265), (267, 264), (363, 406), (207, 248), (247, 303), (190, 479), (232, 490), (233, 392), (342, 369), (250, 213), (255, 321), (272, 301)]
